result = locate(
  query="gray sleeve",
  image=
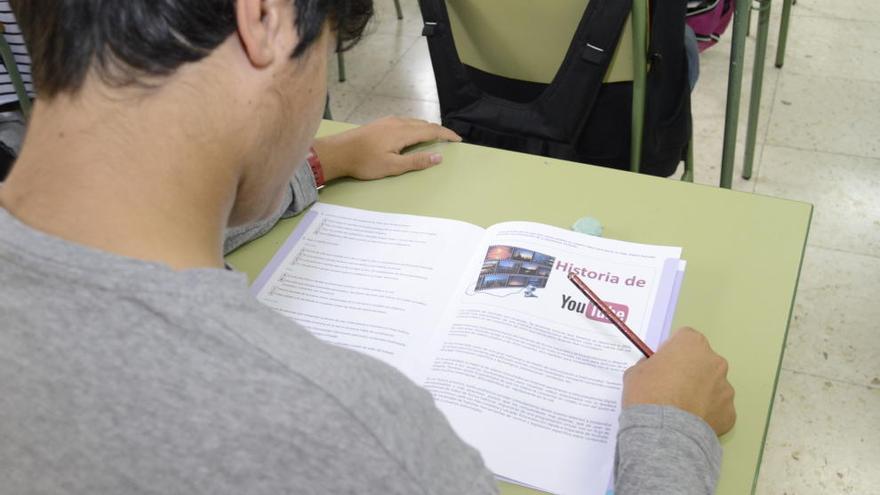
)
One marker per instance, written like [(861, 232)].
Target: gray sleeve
[(301, 193), (664, 450)]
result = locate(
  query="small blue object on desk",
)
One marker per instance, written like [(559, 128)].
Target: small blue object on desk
[(589, 226)]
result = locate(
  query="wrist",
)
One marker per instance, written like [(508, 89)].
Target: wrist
[(317, 169), (333, 161)]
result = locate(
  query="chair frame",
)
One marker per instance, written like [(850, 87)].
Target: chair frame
[(640, 78), (14, 75)]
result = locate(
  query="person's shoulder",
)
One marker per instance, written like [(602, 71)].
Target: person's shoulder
[(370, 390), (380, 401)]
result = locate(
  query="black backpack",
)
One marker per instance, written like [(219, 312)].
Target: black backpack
[(575, 117)]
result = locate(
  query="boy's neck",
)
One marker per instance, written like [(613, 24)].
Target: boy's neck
[(142, 182)]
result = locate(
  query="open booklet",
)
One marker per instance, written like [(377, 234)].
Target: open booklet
[(524, 367)]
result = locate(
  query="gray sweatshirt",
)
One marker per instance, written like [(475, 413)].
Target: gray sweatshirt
[(124, 376)]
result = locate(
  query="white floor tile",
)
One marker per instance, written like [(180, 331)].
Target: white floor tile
[(837, 47), (368, 62), (823, 438), (385, 20), (833, 332), (709, 99), (864, 10), (830, 114), (412, 77), (343, 103), (380, 106), (843, 189)]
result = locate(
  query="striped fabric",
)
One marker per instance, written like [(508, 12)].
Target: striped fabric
[(16, 42)]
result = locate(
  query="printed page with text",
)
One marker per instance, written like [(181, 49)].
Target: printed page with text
[(530, 372), (372, 282)]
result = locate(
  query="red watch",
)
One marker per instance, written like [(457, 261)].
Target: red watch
[(317, 169)]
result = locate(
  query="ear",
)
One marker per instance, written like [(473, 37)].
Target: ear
[(259, 24)]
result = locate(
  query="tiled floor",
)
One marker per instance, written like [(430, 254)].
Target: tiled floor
[(818, 141)]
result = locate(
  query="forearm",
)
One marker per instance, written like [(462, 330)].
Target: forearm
[(297, 197), (368, 152), (664, 450)]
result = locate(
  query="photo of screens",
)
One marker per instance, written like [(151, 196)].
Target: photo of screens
[(508, 266)]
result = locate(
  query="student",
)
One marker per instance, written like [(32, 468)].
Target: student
[(133, 362)]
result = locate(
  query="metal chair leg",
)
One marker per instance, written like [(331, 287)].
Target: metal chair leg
[(749, 24), (328, 115), (340, 62), (640, 77), (688, 175), (757, 86), (734, 91), (397, 7), (783, 32)]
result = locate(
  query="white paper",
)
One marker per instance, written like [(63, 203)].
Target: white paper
[(368, 281), (531, 382)]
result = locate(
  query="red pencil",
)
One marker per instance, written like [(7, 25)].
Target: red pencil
[(625, 330)]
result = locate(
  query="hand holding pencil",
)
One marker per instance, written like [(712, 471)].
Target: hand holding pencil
[(684, 373)]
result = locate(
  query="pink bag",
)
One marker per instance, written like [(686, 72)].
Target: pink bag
[(709, 19)]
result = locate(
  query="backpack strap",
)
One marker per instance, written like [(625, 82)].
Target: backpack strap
[(562, 109), (452, 79)]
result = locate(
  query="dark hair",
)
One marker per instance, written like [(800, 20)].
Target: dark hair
[(127, 41)]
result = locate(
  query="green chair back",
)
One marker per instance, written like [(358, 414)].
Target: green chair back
[(526, 39)]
